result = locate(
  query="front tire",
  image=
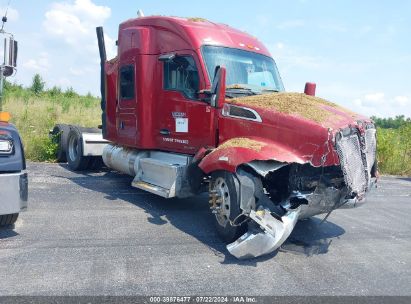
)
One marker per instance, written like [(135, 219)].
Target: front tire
[(8, 219), (75, 158), (225, 186)]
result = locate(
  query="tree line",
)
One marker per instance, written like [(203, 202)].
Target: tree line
[(38, 87)]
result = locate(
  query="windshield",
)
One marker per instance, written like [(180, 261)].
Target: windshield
[(244, 69)]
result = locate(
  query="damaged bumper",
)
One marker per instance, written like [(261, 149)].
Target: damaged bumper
[(274, 231), (325, 200)]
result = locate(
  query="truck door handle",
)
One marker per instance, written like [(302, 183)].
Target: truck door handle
[(165, 132)]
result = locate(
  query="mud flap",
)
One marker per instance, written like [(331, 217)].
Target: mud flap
[(275, 232)]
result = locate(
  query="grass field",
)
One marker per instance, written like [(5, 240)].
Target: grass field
[(394, 150), (35, 114)]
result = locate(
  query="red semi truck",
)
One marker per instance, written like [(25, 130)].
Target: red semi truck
[(189, 106)]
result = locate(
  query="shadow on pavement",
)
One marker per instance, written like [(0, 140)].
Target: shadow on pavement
[(7, 232), (193, 217)]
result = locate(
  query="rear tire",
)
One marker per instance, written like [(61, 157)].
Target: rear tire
[(8, 219), (75, 158), (227, 189), (61, 133)]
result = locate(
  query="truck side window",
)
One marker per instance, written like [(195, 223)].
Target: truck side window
[(181, 74), (127, 82)]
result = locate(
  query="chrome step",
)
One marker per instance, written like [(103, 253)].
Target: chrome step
[(151, 188), (163, 174)]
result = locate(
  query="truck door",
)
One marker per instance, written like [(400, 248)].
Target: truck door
[(126, 118), (185, 123)]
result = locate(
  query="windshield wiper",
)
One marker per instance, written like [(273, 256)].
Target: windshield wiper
[(270, 90), (238, 93)]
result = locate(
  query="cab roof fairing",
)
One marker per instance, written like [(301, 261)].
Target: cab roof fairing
[(184, 33)]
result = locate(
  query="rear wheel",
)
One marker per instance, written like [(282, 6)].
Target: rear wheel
[(8, 219), (75, 158), (225, 189), (60, 137)]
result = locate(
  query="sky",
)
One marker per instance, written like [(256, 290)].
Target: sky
[(358, 52)]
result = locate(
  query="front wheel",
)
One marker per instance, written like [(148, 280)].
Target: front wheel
[(224, 187), (8, 219)]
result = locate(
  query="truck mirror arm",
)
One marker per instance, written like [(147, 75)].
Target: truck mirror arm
[(218, 87)]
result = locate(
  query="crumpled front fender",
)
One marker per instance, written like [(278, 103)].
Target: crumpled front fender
[(241, 150)]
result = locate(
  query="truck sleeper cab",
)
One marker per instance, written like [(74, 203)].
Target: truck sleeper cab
[(191, 106)]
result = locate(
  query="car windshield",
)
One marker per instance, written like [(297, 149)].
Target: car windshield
[(245, 70)]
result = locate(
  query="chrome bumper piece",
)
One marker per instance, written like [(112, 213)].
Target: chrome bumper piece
[(13, 192), (275, 232)]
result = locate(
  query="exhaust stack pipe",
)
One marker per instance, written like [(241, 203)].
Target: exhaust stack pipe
[(103, 59), (140, 13), (310, 88)]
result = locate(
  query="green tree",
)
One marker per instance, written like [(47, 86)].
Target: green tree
[(391, 123), (55, 91), (70, 92), (37, 85)]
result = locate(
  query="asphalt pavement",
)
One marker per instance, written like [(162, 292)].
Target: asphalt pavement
[(91, 233)]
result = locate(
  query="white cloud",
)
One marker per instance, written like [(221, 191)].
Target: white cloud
[(374, 98), (82, 71), (381, 105), (279, 45), (402, 100), (75, 23), (12, 14), (40, 64)]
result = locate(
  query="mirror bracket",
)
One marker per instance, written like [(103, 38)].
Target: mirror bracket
[(167, 57), (218, 87)]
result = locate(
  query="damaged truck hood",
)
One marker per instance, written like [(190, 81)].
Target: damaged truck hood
[(300, 107), (290, 128)]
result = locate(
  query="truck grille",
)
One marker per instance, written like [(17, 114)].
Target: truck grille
[(357, 156), (370, 148)]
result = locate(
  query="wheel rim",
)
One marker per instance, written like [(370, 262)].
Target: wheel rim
[(73, 148), (223, 193)]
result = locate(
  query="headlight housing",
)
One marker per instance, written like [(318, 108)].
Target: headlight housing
[(6, 146)]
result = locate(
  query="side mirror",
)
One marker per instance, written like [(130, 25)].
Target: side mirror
[(9, 56), (218, 87), (14, 51), (10, 52)]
